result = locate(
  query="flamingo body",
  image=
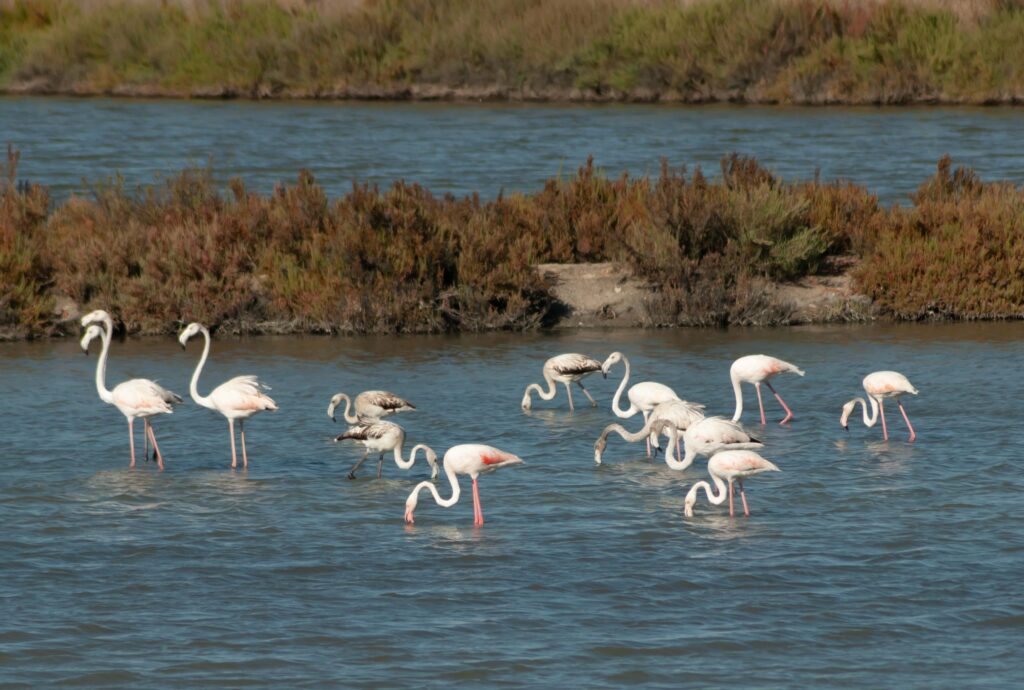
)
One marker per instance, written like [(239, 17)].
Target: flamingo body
[(755, 370), (567, 368), (726, 467), (713, 434), (471, 459)]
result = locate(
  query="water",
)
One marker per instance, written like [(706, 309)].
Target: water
[(865, 563), (466, 148)]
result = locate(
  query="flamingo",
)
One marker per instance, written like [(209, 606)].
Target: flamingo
[(728, 466), (679, 412), (238, 398), (757, 369), (473, 459), (134, 398), (879, 386), (643, 396), (567, 368), (384, 436), (712, 434), (369, 405)]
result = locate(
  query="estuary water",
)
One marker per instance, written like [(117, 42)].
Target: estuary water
[(464, 148), (865, 563)]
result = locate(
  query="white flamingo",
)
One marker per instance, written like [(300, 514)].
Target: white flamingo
[(567, 368), (879, 386), (140, 398), (679, 412), (643, 397), (473, 459), (728, 466), (239, 398), (382, 437), (712, 434), (369, 405), (757, 369)]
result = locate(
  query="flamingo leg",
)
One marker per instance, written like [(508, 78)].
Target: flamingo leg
[(881, 412), (760, 403), (593, 403), (145, 439), (568, 389), (234, 456), (789, 412), (131, 440), (730, 499), (645, 413), (156, 448), (478, 514), (352, 472), (907, 420), (743, 496), (241, 432), (380, 466)]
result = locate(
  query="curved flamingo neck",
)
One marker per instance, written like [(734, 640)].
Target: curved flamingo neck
[(738, 391), (101, 364), (548, 394), (443, 502), (624, 433), (616, 401), (194, 385), (350, 418), (670, 452), (873, 419), (713, 499)]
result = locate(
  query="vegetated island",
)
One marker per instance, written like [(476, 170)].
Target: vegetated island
[(745, 248), (681, 51)]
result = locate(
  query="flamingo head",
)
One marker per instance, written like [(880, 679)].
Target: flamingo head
[(613, 358), (691, 499), (527, 403), (410, 506), (599, 446), (335, 401), (432, 461), (90, 334), (98, 316), (847, 410), (190, 330)]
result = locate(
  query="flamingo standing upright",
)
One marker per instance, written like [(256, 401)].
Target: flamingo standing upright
[(728, 466), (879, 386), (643, 397), (238, 398), (473, 459), (679, 412), (134, 398), (757, 369), (567, 368), (369, 405), (381, 437)]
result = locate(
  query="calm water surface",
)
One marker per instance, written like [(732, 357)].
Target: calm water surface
[(866, 564), (463, 148)]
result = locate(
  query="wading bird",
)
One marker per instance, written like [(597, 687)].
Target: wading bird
[(728, 466), (568, 368), (879, 386), (712, 434), (239, 398), (140, 398), (679, 412), (643, 397), (471, 458), (369, 405), (382, 437), (757, 369)]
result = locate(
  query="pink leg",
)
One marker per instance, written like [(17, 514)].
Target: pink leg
[(145, 440), (730, 499), (478, 514), (743, 495), (881, 411), (907, 420), (789, 412), (757, 387), (156, 448), (568, 389), (234, 457), (131, 439), (241, 432)]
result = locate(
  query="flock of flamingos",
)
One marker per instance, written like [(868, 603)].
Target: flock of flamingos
[(730, 449)]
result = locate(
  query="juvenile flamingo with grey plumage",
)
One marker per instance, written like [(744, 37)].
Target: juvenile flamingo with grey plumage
[(381, 437), (568, 368), (369, 405)]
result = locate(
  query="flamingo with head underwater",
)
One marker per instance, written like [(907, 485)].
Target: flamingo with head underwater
[(472, 459), (567, 368), (369, 405), (757, 369), (643, 397), (381, 437), (728, 466), (879, 386), (136, 398), (680, 413), (239, 398)]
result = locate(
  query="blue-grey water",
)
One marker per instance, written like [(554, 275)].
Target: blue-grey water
[(865, 563), (485, 148)]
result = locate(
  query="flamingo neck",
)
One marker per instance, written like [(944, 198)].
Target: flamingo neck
[(548, 394), (738, 391), (101, 364), (624, 433), (194, 385), (873, 419), (616, 401), (670, 452), (443, 502), (713, 499)]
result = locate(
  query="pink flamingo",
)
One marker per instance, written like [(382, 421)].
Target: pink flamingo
[(239, 398), (369, 405), (381, 437), (879, 386), (473, 459), (757, 369), (643, 397), (713, 434), (728, 466), (680, 413), (134, 398), (567, 368)]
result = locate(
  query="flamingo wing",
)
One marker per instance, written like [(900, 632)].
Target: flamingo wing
[(144, 397), (574, 364), (386, 401)]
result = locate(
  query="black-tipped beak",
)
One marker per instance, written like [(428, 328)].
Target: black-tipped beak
[(847, 429), (604, 373), (334, 419), (183, 346)]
